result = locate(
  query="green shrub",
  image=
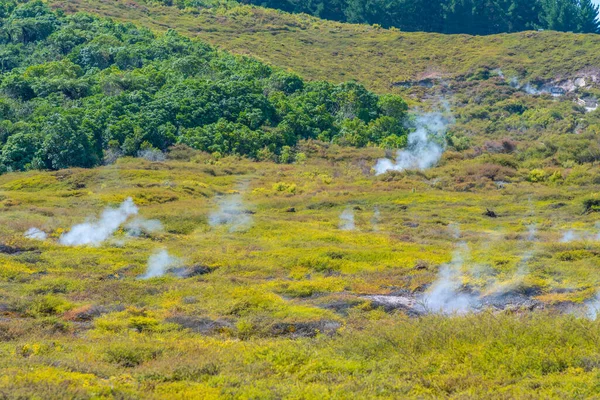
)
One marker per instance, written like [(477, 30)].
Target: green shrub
[(537, 175), (48, 305), (130, 356), (591, 205)]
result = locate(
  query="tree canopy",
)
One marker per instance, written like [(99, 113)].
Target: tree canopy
[(76, 88), (478, 17)]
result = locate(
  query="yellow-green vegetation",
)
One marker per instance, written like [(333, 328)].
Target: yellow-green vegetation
[(272, 274), (278, 307), (376, 57)]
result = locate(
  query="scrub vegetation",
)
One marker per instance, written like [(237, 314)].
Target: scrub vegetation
[(283, 299)]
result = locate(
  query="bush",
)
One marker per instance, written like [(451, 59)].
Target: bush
[(195, 373), (19, 151), (591, 205), (48, 305), (537, 175), (130, 356)]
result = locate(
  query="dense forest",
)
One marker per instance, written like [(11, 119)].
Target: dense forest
[(477, 17), (78, 91)]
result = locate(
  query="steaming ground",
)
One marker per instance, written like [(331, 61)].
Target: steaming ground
[(460, 285), (36, 234), (96, 232), (159, 263), (448, 294), (347, 220), (445, 295), (376, 219), (426, 144), (231, 212), (347, 274)]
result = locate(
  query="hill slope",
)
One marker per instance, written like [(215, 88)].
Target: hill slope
[(338, 52), (195, 274)]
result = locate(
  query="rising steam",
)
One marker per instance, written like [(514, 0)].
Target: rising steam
[(532, 232), (96, 232), (569, 236), (159, 263), (447, 296), (444, 295), (36, 234), (527, 87), (376, 219), (522, 271), (231, 212), (593, 308), (425, 145), (139, 225), (347, 220)]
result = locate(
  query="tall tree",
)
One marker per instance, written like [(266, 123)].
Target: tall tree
[(588, 17), (420, 15), (523, 15), (459, 16), (480, 17), (561, 15), (488, 17)]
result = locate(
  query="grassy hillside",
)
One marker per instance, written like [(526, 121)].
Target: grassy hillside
[(193, 274), (338, 52), (278, 307)]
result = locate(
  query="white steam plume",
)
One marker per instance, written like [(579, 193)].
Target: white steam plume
[(141, 225), (347, 220), (36, 234), (95, 232), (444, 295), (532, 90), (425, 145), (376, 219), (593, 308), (527, 88), (532, 232), (231, 212), (569, 236), (159, 263), (522, 268)]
